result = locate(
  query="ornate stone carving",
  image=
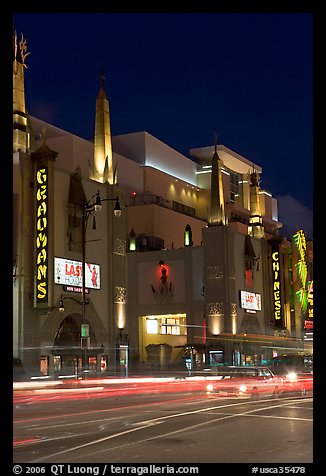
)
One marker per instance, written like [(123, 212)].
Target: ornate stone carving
[(231, 272), (163, 292), (233, 309), (214, 272), (119, 247), (215, 308), (21, 55), (120, 294)]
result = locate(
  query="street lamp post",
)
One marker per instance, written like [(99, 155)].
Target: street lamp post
[(88, 208), (122, 350)]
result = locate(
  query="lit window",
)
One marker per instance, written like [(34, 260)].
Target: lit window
[(151, 326), (175, 330), (170, 326), (166, 325)]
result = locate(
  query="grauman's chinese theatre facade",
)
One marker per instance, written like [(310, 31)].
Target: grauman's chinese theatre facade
[(193, 271)]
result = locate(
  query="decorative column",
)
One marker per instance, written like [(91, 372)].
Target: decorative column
[(103, 164), (20, 135), (217, 212), (255, 228)]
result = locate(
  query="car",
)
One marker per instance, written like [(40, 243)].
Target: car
[(284, 364), (240, 381), (298, 382), (296, 370)]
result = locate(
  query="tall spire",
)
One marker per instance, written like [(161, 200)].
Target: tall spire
[(255, 228), (20, 135), (217, 213), (103, 166)]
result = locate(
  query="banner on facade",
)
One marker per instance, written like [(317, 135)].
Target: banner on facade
[(70, 273), (250, 301)]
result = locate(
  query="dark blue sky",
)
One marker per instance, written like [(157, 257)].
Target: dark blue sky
[(182, 76)]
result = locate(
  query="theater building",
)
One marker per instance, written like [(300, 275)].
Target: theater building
[(192, 273)]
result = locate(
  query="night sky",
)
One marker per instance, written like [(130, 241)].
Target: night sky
[(181, 77)]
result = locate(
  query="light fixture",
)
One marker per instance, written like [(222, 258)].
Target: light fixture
[(188, 236), (97, 207), (132, 241), (61, 305), (117, 208), (98, 204)]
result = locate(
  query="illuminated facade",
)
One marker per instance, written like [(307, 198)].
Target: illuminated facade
[(194, 268)]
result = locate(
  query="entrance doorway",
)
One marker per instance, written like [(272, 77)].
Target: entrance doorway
[(70, 355)]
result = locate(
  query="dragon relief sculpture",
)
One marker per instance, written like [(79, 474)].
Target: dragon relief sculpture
[(163, 292)]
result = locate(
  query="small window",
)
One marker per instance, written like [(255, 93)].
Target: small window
[(265, 373), (151, 326)]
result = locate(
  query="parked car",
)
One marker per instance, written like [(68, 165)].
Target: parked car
[(250, 381)]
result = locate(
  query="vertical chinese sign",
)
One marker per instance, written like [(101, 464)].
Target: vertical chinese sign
[(276, 280), (41, 293)]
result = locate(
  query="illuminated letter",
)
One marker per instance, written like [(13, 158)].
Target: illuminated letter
[(41, 224), (42, 290), (276, 285), (41, 209), (41, 256), (41, 240), (41, 272), (41, 176)]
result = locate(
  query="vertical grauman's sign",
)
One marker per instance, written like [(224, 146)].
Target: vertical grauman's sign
[(277, 287), (41, 292)]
